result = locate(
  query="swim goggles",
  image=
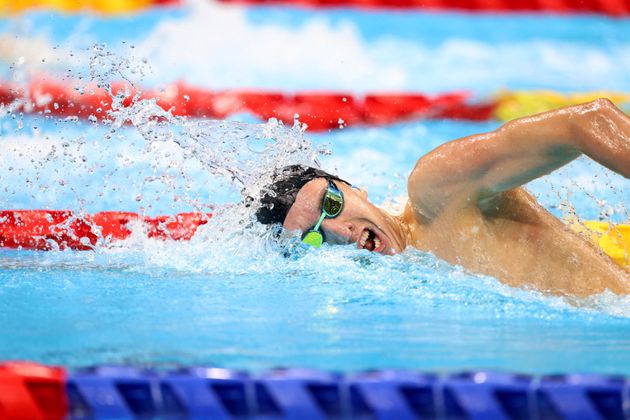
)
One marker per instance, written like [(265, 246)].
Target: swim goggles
[(332, 204)]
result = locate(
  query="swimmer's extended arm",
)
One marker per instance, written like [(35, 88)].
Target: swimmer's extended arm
[(478, 168)]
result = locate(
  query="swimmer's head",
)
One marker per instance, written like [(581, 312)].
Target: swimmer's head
[(278, 197), (294, 199)]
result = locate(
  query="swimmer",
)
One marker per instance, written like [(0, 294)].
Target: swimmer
[(466, 206)]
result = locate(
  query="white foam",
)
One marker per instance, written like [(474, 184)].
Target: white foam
[(217, 46), (230, 51)]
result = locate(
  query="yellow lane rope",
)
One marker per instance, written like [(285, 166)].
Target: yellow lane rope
[(9, 7), (511, 105)]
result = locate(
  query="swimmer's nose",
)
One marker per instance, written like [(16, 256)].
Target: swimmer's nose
[(338, 233)]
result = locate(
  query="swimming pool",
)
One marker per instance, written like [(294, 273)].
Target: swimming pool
[(232, 299)]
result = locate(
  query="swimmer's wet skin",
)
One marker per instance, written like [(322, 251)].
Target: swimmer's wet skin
[(466, 207)]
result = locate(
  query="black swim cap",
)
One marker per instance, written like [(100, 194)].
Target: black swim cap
[(277, 198)]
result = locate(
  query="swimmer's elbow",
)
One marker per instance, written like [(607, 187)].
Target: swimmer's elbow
[(599, 105)]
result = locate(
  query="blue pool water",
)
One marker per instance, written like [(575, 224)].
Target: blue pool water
[(229, 297)]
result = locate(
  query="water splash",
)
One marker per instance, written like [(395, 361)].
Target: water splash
[(142, 151)]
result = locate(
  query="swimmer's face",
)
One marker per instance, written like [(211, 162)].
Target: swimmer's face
[(360, 222)]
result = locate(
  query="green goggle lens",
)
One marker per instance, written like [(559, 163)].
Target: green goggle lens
[(333, 204)]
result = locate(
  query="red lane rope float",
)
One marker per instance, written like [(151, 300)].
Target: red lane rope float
[(391, 108), (32, 391), (62, 229), (319, 110), (610, 7)]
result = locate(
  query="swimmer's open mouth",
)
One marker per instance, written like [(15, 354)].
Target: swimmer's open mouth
[(370, 240)]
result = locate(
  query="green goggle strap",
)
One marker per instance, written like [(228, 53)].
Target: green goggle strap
[(319, 222)]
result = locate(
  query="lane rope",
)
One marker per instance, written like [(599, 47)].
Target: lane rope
[(617, 8), (63, 229), (37, 392), (318, 110)]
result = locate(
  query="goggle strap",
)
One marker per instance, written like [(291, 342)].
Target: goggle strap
[(319, 222)]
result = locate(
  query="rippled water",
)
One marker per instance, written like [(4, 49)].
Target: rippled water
[(229, 296)]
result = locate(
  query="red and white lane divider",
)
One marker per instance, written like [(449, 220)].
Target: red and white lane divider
[(609, 7), (64, 229), (319, 110)]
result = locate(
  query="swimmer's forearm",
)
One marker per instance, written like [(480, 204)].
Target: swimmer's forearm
[(481, 166), (530, 147)]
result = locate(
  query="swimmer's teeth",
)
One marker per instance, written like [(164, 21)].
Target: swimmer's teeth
[(364, 237), (377, 243)]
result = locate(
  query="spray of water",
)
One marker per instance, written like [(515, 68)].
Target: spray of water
[(156, 157)]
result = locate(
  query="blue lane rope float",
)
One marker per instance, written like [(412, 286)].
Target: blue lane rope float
[(310, 394)]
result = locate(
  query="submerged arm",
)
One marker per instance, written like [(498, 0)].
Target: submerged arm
[(478, 168)]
